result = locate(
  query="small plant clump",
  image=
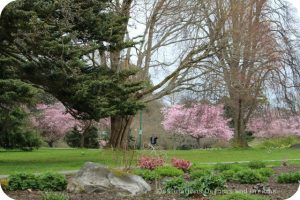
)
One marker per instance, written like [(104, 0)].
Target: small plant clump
[(181, 164), (249, 176), (195, 174), (146, 162), (43, 182), (205, 185), (291, 177)]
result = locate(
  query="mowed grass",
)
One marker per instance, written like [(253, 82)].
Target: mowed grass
[(45, 160)]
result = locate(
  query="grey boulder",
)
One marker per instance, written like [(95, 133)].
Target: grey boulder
[(97, 178)]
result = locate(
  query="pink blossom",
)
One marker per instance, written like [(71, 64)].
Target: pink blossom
[(198, 121), (54, 122), (274, 124)]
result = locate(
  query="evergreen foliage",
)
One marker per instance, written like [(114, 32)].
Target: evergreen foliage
[(48, 44)]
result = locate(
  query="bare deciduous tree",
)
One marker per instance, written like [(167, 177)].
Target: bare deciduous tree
[(254, 55)]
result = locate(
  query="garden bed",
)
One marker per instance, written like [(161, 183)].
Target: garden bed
[(280, 191)]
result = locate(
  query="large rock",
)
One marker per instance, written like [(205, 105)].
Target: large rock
[(97, 178)]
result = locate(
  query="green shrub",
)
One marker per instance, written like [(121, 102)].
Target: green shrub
[(52, 182), (149, 175), (73, 138), (291, 177), (168, 171), (266, 172), (205, 185), (53, 196), (16, 131), (240, 196), (229, 175), (199, 173), (223, 167), (23, 181), (256, 164), (174, 185), (249, 176), (48, 181)]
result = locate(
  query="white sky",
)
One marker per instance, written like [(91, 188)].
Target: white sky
[(296, 4)]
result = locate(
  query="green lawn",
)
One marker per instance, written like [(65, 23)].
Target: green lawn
[(72, 159)]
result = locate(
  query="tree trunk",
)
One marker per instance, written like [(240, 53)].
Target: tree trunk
[(82, 140), (198, 143), (239, 127), (120, 126), (50, 143)]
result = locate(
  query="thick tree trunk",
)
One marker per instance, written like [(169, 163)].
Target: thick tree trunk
[(239, 127), (120, 126)]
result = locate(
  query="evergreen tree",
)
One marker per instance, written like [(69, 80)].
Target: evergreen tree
[(47, 43), (15, 129)]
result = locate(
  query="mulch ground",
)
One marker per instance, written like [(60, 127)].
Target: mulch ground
[(279, 191)]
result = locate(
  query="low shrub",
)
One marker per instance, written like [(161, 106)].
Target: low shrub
[(168, 171), (151, 163), (195, 174), (90, 140), (267, 172), (205, 185), (291, 177), (240, 196), (54, 196), (52, 182), (256, 164), (181, 164), (149, 175), (229, 175), (48, 181), (174, 185), (223, 167), (249, 176), (23, 181)]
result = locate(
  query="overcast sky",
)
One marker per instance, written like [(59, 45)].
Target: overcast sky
[(296, 4)]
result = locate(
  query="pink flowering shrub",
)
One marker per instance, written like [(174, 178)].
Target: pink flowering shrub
[(181, 164), (146, 162)]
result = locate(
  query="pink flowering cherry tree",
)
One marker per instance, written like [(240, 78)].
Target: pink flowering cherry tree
[(198, 121), (54, 122), (274, 124)]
